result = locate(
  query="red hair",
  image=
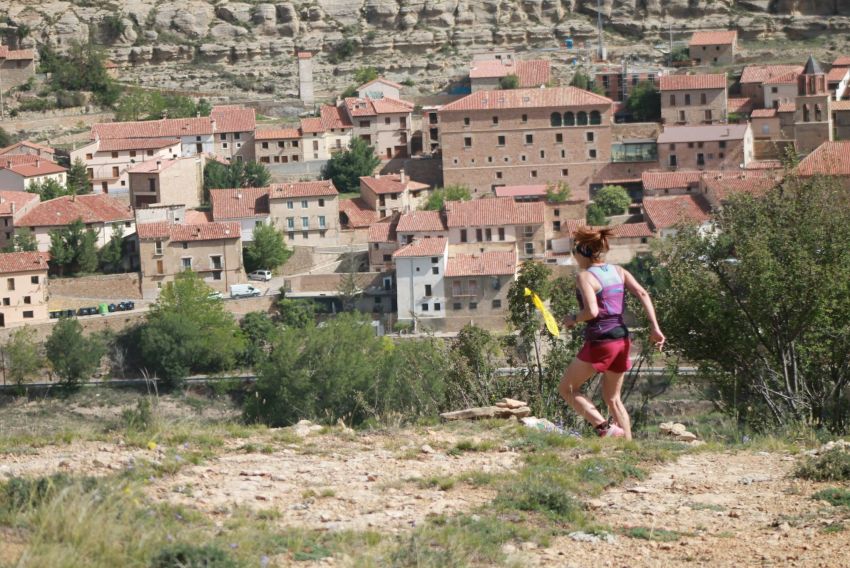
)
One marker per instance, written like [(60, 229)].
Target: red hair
[(592, 243)]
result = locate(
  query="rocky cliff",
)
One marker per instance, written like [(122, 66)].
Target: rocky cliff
[(410, 35)]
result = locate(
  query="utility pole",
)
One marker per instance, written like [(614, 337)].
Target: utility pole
[(670, 57), (601, 53)]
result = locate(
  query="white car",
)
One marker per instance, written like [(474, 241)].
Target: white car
[(261, 275)]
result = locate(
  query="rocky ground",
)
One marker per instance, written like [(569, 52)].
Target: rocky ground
[(710, 506)]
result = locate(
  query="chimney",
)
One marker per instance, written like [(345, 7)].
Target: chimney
[(401, 177), (378, 175)]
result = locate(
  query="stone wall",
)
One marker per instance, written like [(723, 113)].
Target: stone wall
[(101, 287)]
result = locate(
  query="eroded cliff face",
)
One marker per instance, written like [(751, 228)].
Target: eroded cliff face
[(417, 35)]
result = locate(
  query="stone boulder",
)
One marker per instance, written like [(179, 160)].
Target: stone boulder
[(234, 12)]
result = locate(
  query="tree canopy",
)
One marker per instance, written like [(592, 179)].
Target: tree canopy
[(73, 249), (21, 355), (437, 200), (644, 102), (78, 178), (81, 68), (22, 241), (346, 168), (509, 82), (49, 189), (73, 356), (268, 249), (141, 104), (188, 331), (235, 174), (111, 255), (595, 216), (612, 200), (558, 192)]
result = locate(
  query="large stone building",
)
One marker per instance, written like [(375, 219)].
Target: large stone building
[(278, 146), (713, 147), (713, 47), (813, 115), (23, 288), (526, 136), (693, 99)]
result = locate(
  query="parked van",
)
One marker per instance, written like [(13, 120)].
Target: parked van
[(244, 291)]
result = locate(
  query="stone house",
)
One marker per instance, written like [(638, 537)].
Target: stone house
[(385, 123), (17, 66), (307, 212), (278, 146), (829, 159), (420, 279), (664, 214), (617, 81), (841, 119), (393, 193), (175, 181), (477, 284), (713, 47), (420, 225), (383, 242), (107, 160), (211, 250), (101, 213), (780, 90), (379, 88), (693, 99), (717, 147), (483, 223), (753, 78), (25, 147), (234, 132), (13, 206), (837, 81), (680, 182), (248, 206), (19, 171), (23, 288), (486, 74)]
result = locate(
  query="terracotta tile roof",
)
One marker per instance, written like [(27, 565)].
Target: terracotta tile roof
[(723, 187), (435, 246), (18, 199), (373, 107), (163, 128), (740, 105), (624, 231), (93, 208), (27, 144), (655, 181), (358, 213), (764, 165), (666, 212), (118, 144), (305, 55), (490, 69), (391, 183), (494, 263), (787, 107), (230, 118), (527, 98), (692, 82), (26, 165), (333, 117), (381, 80), (702, 133), (841, 61), (16, 54), (277, 134), (532, 73), (239, 203), (493, 211), (421, 221), (720, 37), (789, 78), (382, 233), (189, 232), (837, 74), (195, 217), (312, 125), (762, 73), (828, 159), (538, 190), (321, 188), (151, 166), (13, 262), (763, 113)]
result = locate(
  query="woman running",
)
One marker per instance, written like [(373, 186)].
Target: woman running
[(600, 290)]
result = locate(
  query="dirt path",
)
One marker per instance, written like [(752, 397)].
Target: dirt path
[(729, 509)]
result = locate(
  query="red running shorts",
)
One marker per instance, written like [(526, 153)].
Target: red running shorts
[(611, 355)]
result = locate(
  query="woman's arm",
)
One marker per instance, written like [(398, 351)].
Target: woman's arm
[(588, 295), (635, 288)]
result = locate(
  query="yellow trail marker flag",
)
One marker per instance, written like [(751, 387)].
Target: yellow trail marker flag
[(551, 324)]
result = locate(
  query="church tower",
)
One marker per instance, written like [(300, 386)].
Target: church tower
[(813, 116)]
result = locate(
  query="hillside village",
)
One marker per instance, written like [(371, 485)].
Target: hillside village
[(532, 154)]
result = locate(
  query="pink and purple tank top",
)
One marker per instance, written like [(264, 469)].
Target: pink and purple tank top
[(608, 324)]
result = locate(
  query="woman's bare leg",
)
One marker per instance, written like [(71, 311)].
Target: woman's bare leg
[(612, 384), (570, 388)]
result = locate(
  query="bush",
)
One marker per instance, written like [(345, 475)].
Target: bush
[(832, 465), (73, 356), (509, 82), (192, 556), (612, 200), (343, 50), (595, 216), (835, 496), (346, 168), (26, 492), (437, 200)]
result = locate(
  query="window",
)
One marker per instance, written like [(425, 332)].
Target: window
[(524, 118), (722, 144), (424, 307), (364, 124), (488, 234), (581, 118), (569, 119), (33, 279), (290, 222), (496, 304), (672, 161), (114, 154), (708, 116), (595, 117), (290, 235), (27, 299), (529, 138), (542, 154), (528, 231), (132, 153), (305, 235), (702, 99), (687, 99), (467, 142), (158, 247), (150, 152), (563, 153), (523, 158), (303, 204), (479, 235), (682, 116), (321, 221), (529, 248), (221, 137), (565, 172), (588, 136), (555, 119), (672, 100), (556, 226), (559, 138), (457, 306), (473, 305), (534, 173), (700, 159), (185, 245), (295, 143), (215, 261), (89, 156), (591, 154), (387, 257), (290, 204), (186, 262), (7, 301), (10, 284), (305, 222), (466, 121), (28, 314), (774, 89), (387, 120), (463, 232), (501, 233), (500, 141), (437, 306), (115, 172), (489, 159), (428, 290), (495, 120)]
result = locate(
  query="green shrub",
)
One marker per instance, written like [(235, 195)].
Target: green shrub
[(660, 535), (192, 556), (836, 496), (30, 492), (139, 418), (833, 465)]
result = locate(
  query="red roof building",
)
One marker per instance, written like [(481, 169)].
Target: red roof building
[(423, 247), (421, 222), (692, 82), (484, 74), (239, 203), (90, 209), (721, 37), (13, 262), (356, 214), (664, 213), (526, 98), (493, 263), (321, 188), (828, 159), (493, 212)]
